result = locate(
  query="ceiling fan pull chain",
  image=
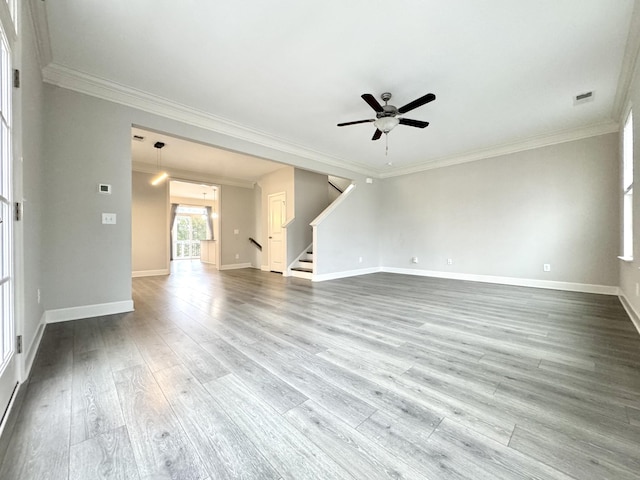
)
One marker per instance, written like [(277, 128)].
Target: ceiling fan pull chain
[(386, 150)]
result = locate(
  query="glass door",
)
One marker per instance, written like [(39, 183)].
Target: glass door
[(8, 370)]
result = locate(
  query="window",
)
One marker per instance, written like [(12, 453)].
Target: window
[(627, 188), (189, 228)]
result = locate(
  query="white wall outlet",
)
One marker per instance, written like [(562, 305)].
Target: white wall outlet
[(449, 261), (414, 259), (108, 218), (236, 231), (546, 267), (39, 295), (359, 259), (237, 256)]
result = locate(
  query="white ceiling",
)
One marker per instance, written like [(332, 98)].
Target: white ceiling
[(183, 157), (504, 72), (203, 194)]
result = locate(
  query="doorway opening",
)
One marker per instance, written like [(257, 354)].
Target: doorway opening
[(194, 221)]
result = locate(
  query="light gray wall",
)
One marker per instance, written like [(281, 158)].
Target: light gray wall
[(352, 231), (341, 183), (87, 143), (236, 213), (507, 216), (33, 183), (150, 224), (629, 271), (311, 198)]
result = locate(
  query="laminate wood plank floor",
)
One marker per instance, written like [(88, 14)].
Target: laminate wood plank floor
[(245, 374)]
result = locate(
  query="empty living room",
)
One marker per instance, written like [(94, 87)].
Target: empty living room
[(336, 240)]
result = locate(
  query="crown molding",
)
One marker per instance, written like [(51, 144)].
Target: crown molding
[(509, 148), (106, 90), (189, 176), (630, 65), (100, 88), (38, 11)]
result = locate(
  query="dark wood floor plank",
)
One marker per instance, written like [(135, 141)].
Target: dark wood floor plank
[(105, 456), (159, 444)]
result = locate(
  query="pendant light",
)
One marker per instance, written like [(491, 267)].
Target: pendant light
[(162, 175)]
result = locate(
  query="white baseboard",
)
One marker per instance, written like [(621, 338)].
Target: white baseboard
[(30, 353), (633, 315), (235, 266), (150, 273), (88, 311), (265, 268), (347, 273), (519, 282)]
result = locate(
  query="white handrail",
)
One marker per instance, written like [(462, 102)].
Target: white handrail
[(327, 211)]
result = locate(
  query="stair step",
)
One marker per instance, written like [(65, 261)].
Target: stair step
[(305, 260), (303, 269), (310, 253)]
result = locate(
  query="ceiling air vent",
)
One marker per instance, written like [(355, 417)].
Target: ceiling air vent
[(583, 98), (138, 138)]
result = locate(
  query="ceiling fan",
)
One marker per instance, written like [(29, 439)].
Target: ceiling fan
[(387, 116)]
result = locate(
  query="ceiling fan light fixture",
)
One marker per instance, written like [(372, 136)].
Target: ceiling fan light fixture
[(386, 124)]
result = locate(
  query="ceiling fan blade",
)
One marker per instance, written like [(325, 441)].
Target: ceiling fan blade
[(377, 134), (429, 97), (413, 123), (373, 103), (356, 122)]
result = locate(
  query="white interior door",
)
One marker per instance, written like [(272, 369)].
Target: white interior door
[(277, 245), (8, 363)]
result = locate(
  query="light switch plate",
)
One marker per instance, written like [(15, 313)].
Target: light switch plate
[(108, 218)]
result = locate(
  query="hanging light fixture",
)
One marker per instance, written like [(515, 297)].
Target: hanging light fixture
[(162, 175)]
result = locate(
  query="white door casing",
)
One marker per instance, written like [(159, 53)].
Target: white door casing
[(277, 213)]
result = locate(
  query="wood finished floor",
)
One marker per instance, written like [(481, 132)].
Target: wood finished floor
[(247, 375)]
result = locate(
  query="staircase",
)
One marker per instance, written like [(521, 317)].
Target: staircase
[(304, 266)]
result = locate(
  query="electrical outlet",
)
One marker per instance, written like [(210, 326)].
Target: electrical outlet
[(237, 256), (39, 295), (449, 261), (546, 267), (359, 259), (414, 259), (236, 231)]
